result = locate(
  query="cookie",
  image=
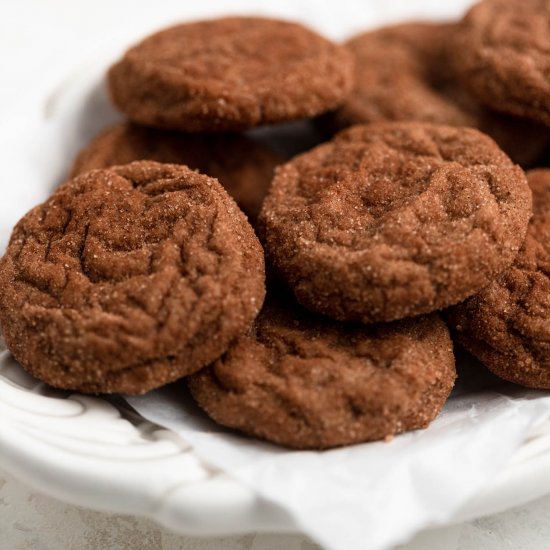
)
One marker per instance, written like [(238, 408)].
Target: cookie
[(394, 219), (402, 73), (501, 55), (306, 382), (398, 76), (129, 278), (507, 325), (243, 166), (230, 74)]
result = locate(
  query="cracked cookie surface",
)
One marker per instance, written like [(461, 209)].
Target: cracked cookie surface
[(306, 382), (391, 220), (243, 166), (502, 56), (129, 278), (507, 325), (230, 74), (402, 72)]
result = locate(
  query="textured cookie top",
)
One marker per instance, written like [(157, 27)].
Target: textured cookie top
[(403, 72), (502, 55), (507, 325), (395, 219), (307, 382), (230, 74), (243, 166), (126, 268)]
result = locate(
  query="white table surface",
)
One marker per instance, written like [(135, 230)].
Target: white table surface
[(35, 34), (30, 521)]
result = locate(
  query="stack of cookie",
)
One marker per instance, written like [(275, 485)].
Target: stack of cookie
[(149, 264)]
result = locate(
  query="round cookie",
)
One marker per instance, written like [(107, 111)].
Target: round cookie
[(394, 219), (507, 325), (129, 278), (402, 73), (310, 383), (399, 76), (243, 166), (501, 55), (230, 74)]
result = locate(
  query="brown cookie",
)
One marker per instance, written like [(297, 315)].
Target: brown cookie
[(230, 74), (507, 325), (310, 383), (402, 73), (398, 76), (129, 278), (395, 219), (501, 54), (243, 166)]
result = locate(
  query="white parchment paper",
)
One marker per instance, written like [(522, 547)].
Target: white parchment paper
[(375, 495)]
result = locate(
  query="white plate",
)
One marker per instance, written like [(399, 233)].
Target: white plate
[(101, 455)]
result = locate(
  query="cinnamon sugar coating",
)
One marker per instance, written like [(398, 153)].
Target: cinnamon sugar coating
[(391, 220), (502, 56), (230, 74), (507, 325), (306, 382), (129, 278)]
